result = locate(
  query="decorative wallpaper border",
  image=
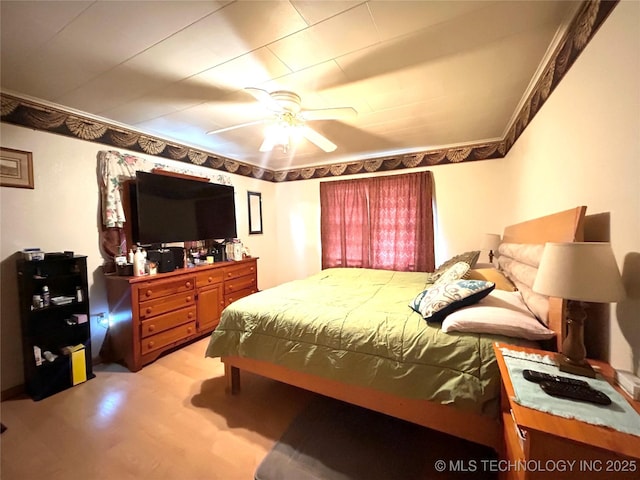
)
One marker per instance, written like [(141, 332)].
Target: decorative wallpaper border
[(586, 23), (28, 113)]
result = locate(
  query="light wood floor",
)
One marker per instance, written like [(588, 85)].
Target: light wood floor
[(171, 420)]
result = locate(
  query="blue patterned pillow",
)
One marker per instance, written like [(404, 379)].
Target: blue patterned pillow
[(435, 303)]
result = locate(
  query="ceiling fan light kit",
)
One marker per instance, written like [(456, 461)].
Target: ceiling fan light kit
[(288, 125)]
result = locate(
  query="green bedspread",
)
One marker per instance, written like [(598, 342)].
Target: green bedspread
[(355, 326)]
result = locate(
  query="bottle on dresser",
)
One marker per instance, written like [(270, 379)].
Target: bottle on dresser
[(138, 262)]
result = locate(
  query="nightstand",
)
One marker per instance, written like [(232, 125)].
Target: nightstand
[(541, 445)]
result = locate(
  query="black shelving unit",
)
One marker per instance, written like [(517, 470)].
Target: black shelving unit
[(52, 328)]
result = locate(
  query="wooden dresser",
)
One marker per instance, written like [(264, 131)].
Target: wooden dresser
[(152, 314)]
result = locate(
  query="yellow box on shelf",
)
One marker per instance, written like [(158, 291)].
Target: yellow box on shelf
[(78, 363)]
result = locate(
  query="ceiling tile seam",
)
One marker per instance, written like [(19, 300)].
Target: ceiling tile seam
[(329, 17), (62, 29), (375, 24), (300, 14), (266, 45), (206, 70), (78, 15), (293, 70), (141, 51)]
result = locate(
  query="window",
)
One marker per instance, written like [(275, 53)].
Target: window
[(378, 222)]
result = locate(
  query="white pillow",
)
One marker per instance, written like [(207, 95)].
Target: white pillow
[(501, 313)]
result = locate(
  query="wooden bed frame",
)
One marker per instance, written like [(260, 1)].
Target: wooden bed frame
[(566, 226)]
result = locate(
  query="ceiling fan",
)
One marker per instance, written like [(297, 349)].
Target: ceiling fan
[(289, 121)]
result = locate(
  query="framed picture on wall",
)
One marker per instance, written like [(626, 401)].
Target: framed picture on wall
[(16, 168), (255, 212)]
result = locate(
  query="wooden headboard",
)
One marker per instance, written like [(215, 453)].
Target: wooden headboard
[(565, 226)]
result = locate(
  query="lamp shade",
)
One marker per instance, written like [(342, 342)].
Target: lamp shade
[(490, 241), (584, 271)]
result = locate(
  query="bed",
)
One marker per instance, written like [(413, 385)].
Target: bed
[(350, 334)]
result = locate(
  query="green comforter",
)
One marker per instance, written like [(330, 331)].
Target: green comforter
[(355, 326)]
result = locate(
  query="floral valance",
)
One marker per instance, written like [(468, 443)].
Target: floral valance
[(116, 167)]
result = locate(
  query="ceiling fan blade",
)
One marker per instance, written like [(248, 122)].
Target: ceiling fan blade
[(329, 113), (265, 98), (267, 145), (241, 125), (319, 140)]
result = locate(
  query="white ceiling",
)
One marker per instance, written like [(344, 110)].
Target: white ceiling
[(421, 74)]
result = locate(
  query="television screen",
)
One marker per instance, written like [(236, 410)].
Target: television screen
[(173, 209)]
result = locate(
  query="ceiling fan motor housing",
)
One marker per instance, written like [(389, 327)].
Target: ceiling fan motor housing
[(289, 101)]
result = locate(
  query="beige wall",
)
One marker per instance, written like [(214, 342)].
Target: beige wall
[(583, 148)]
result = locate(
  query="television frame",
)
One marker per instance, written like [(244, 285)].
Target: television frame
[(179, 181)]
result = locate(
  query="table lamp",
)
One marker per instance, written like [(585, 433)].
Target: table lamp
[(578, 272), (491, 242)]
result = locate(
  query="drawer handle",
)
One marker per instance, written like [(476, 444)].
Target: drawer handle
[(252, 269), (151, 344), (231, 285), (222, 302), (189, 298), (149, 309), (229, 274), (189, 329), (188, 284), (210, 279), (190, 315), (149, 293), (152, 328)]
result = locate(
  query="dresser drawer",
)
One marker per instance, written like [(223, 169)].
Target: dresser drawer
[(169, 320), (240, 283), (166, 304), (232, 297), (235, 271), (152, 290), (167, 337), (210, 277)]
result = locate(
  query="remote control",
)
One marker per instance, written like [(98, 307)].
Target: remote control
[(575, 392), (537, 377)]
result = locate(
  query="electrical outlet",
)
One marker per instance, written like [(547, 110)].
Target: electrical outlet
[(629, 383), (102, 319)]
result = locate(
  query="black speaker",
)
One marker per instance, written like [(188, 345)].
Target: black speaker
[(177, 254), (163, 258)]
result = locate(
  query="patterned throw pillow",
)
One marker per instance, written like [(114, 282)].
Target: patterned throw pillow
[(470, 258), (455, 272), (435, 303)]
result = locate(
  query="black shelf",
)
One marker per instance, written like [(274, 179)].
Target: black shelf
[(52, 328)]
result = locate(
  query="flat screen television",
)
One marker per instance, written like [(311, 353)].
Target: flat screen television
[(172, 209)]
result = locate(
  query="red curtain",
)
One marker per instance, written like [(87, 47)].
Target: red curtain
[(344, 224), (378, 222)]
